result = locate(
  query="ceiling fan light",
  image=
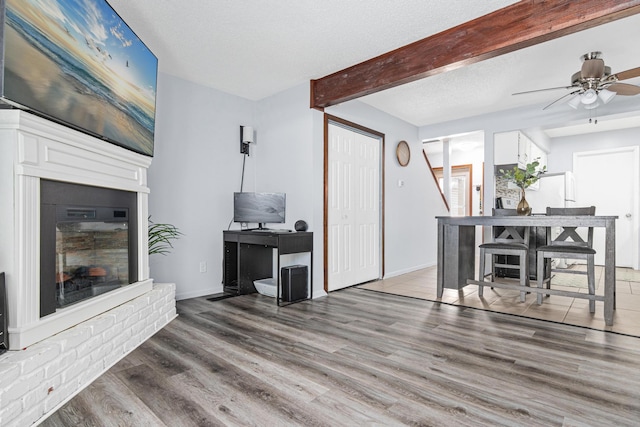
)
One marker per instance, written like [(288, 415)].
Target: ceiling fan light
[(589, 97), (592, 105), (606, 95), (574, 102)]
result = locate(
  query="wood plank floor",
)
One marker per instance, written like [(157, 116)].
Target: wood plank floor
[(359, 357)]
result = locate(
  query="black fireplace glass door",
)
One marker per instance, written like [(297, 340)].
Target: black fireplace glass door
[(88, 242), (91, 255)]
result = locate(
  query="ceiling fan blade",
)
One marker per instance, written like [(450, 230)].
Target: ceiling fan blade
[(624, 89), (592, 68), (542, 90), (561, 98), (629, 74)]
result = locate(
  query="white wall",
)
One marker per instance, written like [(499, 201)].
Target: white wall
[(410, 210), (288, 158), (560, 158), (195, 170), (197, 166)]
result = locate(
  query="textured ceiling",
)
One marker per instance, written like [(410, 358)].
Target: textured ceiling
[(488, 85), (255, 49)]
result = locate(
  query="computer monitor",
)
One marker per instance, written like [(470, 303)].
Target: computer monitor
[(260, 208)]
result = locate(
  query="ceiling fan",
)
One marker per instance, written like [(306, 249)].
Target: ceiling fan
[(594, 84)]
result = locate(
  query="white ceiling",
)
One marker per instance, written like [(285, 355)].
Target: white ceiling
[(256, 49)]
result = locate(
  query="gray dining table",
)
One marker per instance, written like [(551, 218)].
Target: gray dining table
[(457, 248)]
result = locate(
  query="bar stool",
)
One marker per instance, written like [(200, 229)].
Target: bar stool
[(507, 240), (568, 245)]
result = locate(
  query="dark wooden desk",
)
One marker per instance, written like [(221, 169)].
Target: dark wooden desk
[(248, 256), (457, 245)]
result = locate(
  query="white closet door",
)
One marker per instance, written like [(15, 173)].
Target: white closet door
[(368, 209), (353, 209), (608, 180)]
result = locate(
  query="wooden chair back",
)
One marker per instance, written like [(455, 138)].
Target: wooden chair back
[(570, 236), (509, 234)]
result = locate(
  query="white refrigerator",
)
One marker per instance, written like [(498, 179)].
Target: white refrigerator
[(555, 190)]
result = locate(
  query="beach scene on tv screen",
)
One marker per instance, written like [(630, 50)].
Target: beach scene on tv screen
[(76, 61)]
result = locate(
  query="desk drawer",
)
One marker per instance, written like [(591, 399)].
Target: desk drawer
[(265, 240), (296, 243)]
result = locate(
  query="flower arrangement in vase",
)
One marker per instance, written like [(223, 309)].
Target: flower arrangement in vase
[(524, 178)]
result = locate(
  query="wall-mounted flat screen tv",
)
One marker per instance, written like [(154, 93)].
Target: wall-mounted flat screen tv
[(76, 62), (260, 208)]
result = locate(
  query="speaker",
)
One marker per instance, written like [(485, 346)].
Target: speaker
[(300, 225), (294, 283)]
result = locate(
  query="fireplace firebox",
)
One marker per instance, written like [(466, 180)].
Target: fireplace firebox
[(88, 244)]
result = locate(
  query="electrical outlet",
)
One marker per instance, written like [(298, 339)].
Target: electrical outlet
[(203, 266)]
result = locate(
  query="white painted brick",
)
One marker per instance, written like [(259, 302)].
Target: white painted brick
[(130, 321), (35, 357), (10, 412), (123, 312), (55, 394), (101, 323), (140, 303), (101, 352), (62, 392), (88, 346), (110, 333), (137, 328), (29, 416), (151, 320), (8, 371), (72, 337), (59, 365), (146, 312), (148, 331), (121, 338), (69, 360), (38, 394), (91, 373), (115, 356), (19, 388), (74, 371), (161, 323), (133, 342)]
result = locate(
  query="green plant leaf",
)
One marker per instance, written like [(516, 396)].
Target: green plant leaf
[(524, 178), (160, 236)]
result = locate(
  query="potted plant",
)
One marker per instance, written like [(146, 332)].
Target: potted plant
[(160, 236), (524, 178)]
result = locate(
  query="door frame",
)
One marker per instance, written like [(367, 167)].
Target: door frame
[(467, 170), (330, 119)]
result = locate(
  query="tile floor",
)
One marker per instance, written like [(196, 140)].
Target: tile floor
[(422, 284)]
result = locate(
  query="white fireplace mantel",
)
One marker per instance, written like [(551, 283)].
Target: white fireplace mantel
[(32, 148)]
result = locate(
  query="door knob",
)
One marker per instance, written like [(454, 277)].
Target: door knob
[(628, 215)]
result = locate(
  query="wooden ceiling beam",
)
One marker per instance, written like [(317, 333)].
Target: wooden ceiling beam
[(514, 27)]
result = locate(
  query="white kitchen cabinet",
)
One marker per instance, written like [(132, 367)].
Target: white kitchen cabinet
[(538, 154), (511, 147)]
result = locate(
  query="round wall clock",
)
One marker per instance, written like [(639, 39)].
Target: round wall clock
[(403, 153)]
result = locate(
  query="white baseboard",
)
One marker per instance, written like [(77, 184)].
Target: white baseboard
[(408, 270)]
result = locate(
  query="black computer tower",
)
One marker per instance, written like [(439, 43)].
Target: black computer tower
[(294, 283)]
